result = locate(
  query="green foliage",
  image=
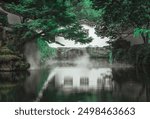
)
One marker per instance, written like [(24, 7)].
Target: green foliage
[(84, 10), (46, 52), (47, 19), (139, 31), (75, 32), (110, 57), (122, 16)]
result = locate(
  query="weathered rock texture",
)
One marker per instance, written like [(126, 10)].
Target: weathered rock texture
[(11, 61)]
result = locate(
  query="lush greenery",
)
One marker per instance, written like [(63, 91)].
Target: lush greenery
[(10, 61), (43, 20), (122, 20), (84, 10), (46, 19), (143, 32), (46, 52), (121, 17)]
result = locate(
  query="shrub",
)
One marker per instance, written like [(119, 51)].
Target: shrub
[(136, 55)]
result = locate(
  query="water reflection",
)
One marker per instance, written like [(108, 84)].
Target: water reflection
[(76, 84), (132, 84), (12, 86), (83, 79), (103, 84)]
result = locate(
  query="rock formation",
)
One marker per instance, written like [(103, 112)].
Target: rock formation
[(11, 61)]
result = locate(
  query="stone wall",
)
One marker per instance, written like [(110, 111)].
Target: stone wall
[(97, 52), (71, 53)]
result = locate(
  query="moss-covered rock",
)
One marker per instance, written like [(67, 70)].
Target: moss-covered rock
[(10, 61)]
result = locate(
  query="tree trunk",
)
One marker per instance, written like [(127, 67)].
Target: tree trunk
[(145, 38)]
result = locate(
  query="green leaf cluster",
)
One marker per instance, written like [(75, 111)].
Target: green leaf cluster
[(84, 10), (47, 19), (46, 52), (121, 17), (139, 31)]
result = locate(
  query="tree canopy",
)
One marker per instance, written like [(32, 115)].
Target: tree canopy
[(46, 19), (122, 17), (84, 10)]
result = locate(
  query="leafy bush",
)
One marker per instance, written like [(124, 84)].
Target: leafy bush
[(46, 52), (139, 31)]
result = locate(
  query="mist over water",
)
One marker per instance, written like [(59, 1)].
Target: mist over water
[(81, 74), (33, 55), (82, 61), (45, 85)]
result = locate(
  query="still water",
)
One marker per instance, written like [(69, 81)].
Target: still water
[(84, 81)]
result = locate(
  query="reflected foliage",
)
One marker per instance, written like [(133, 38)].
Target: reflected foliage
[(131, 84)]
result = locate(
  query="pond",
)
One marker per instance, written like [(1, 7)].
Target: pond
[(89, 80)]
